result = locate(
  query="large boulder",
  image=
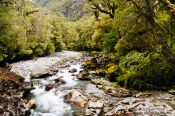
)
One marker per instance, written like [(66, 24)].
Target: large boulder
[(77, 98)]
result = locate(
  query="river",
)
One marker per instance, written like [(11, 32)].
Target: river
[(51, 102)]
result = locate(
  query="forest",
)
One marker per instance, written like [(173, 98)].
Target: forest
[(135, 37)]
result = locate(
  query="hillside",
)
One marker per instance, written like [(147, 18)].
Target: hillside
[(71, 9)]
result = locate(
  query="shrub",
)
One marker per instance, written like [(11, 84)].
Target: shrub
[(145, 70), (109, 41), (113, 72), (50, 48)]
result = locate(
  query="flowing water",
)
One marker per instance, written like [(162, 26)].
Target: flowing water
[(51, 103)]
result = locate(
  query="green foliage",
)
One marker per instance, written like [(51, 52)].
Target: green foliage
[(50, 48), (146, 68), (24, 31), (73, 10), (113, 72), (109, 41), (85, 29), (101, 72)]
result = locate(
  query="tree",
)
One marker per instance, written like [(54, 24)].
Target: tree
[(104, 6)]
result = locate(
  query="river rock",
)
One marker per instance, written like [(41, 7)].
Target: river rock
[(94, 108), (77, 98), (93, 92), (31, 104), (40, 74), (73, 70), (26, 93), (84, 75), (73, 75), (110, 88), (59, 80), (49, 87), (141, 107)]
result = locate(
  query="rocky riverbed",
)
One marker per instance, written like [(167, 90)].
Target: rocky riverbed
[(57, 85)]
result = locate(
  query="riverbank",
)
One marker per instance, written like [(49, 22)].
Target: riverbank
[(118, 101)]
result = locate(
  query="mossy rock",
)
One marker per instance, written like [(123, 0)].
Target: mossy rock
[(90, 64)]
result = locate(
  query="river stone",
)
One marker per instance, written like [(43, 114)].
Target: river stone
[(42, 73), (73, 70), (59, 80), (31, 104), (49, 87), (84, 75), (26, 94), (141, 107), (110, 88), (92, 90), (94, 108), (77, 98)]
